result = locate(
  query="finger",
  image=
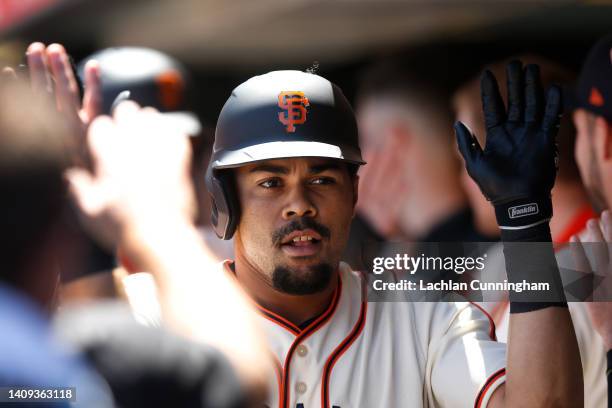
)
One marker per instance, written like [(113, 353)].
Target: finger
[(552, 112), (66, 88), (8, 73), (84, 191), (92, 100), (149, 110), (600, 251), (101, 129), (580, 259), (125, 111), (514, 77), (492, 104), (467, 143), (37, 65), (533, 94)]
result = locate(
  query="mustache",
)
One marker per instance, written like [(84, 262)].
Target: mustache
[(297, 225)]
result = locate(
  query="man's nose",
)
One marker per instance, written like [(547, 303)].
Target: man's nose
[(299, 204)]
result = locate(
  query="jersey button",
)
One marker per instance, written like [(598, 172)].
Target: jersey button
[(300, 387), (302, 350)]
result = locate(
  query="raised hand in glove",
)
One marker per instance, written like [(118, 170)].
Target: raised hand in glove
[(517, 167)]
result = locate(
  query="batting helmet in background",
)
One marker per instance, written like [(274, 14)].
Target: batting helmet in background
[(281, 114), (148, 77)]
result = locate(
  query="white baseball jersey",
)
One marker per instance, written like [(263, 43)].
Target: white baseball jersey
[(385, 354), (361, 354)]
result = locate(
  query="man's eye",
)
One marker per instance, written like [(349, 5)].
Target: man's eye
[(271, 183), (323, 180)]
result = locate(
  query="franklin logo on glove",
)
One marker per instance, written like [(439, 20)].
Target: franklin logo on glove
[(523, 210)]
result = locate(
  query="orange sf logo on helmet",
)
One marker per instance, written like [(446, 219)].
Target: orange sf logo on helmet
[(294, 104)]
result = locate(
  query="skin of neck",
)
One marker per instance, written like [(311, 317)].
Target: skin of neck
[(294, 308)]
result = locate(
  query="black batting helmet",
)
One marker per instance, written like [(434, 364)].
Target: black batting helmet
[(148, 77), (281, 114)]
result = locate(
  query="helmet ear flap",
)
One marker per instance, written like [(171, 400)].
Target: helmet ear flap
[(225, 207)]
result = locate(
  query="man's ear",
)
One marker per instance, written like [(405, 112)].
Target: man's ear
[(355, 193)]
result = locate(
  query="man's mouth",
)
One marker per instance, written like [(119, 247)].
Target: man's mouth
[(301, 243)]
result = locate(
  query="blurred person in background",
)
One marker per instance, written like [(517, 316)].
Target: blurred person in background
[(593, 119), (412, 184), (571, 210), (150, 78), (196, 359), (410, 188), (36, 147)]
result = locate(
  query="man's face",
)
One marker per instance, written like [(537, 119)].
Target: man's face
[(586, 156), (295, 219)]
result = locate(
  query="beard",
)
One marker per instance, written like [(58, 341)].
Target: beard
[(298, 282)]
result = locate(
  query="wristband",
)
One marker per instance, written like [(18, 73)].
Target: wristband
[(523, 213), (530, 257)]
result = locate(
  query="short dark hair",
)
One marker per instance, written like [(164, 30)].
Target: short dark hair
[(398, 79)]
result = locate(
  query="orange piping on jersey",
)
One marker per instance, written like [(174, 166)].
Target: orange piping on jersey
[(343, 347), (278, 370), (492, 334), (274, 318), (281, 321), (483, 392), (303, 335)]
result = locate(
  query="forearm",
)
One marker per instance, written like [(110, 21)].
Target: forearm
[(516, 172), (198, 299), (543, 363)]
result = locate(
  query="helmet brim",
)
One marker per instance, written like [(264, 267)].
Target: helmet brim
[(284, 150)]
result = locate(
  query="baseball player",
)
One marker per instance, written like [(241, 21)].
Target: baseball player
[(283, 178), (154, 79), (593, 119)]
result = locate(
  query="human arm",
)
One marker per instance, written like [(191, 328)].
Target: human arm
[(516, 171), (140, 196)]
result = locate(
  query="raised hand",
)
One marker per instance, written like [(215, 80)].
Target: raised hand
[(517, 167), (141, 173), (51, 72), (51, 76)]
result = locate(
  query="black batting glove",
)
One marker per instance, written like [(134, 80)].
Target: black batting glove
[(516, 169)]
